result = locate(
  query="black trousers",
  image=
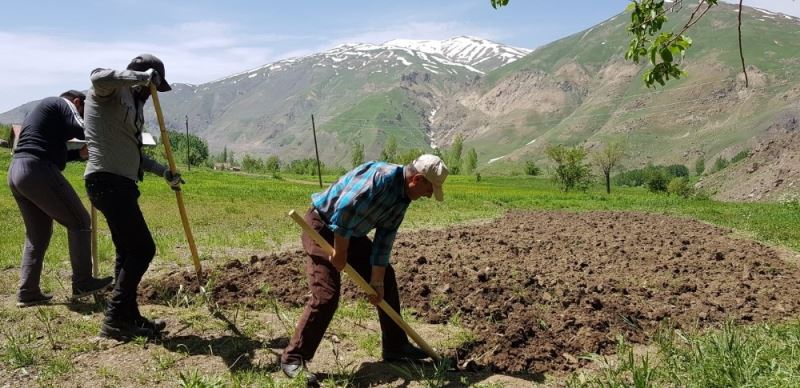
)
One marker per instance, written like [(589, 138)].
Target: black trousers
[(117, 198)]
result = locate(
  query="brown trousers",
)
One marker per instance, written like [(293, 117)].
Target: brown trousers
[(325, 283)]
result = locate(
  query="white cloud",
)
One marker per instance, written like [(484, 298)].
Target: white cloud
[(46, 64)]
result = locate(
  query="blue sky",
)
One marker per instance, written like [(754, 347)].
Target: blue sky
[(51, 46)]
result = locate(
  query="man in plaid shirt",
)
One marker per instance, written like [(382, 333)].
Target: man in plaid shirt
[(374, 195)]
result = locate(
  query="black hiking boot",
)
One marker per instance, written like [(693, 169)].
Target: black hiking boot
[(124, 330), (34, 300), (91, 286), (407, 352)]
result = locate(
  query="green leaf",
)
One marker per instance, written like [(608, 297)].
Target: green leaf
[(630, 7), (652, 52), (666, 55)]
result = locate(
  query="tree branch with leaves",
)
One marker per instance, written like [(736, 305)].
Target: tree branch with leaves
[(663, 50)]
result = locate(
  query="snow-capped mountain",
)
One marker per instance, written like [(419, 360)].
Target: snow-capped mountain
[(461, 55), (357, 92), (468, 53), (474, 52)]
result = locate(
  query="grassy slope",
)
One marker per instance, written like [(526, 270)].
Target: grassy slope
[(769, 44), (374, 119)]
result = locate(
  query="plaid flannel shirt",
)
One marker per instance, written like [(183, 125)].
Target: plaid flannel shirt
[(370, 196)]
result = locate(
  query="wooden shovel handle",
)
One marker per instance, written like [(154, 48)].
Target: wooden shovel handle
[(187, 229)]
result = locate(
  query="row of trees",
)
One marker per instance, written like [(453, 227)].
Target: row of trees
[(273, 165), (572, 171), (673, 179), (572, 168), (453, 157)]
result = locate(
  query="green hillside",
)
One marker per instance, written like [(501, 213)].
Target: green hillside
[(709, 113)]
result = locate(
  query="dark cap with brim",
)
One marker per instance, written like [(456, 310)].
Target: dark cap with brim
[(72, 93), (148, 61)]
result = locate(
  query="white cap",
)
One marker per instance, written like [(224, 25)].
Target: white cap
[(433, 169)]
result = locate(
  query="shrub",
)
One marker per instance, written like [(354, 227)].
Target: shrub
[(790, 200), (639, 177), (632, 178), (700, 166), (741, 155), (272, 164), (677, 170), (531, 168), (306, 166), (680, 187), (409, 155), (252, 164), (657, 181), (5, 133), (720, 164), (571, 170)]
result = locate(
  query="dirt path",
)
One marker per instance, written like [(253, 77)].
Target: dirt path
[(539, 289)]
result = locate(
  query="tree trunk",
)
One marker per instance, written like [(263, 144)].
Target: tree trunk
[(608, 182)]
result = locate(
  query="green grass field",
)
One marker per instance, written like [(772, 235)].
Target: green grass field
[(237, 215)]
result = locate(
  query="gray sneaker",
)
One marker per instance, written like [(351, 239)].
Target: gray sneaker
[(35, 300)]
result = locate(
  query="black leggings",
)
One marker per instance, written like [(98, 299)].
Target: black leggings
[(43, 195)]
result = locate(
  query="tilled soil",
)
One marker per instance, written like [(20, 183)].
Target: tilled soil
[(541, 288)]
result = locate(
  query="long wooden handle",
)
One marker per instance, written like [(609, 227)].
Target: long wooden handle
[(95, 255), (365, 286), (178, 194)]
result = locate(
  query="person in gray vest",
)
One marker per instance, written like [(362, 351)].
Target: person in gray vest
[(43, 195), (114, 124)]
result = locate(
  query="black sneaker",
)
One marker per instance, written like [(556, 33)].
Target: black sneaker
[(156, 325), (91, 286), (407, 352), (35, 300), (292, 370), (124, 330)]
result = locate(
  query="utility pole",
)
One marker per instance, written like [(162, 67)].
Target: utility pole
[(188, 162), (319, 169)]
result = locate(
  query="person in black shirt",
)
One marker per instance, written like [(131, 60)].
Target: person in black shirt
[(43, 195)]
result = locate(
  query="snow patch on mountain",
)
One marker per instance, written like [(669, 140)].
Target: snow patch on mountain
[(460, 55), (463, 49)]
